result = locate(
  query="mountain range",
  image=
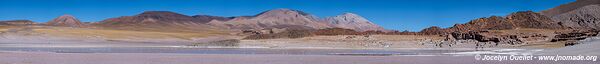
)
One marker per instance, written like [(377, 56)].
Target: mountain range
[(581, 14), (276, 18)]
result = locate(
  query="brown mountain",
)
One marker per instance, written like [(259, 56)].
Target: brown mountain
[(529, 19), (568, 15), (275, 17), (17, 22), (352, 21), (524, 19), (65, 20), (432, 31), (160, 20), (490, 23)]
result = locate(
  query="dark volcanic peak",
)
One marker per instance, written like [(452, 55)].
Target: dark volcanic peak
[(569, 7)]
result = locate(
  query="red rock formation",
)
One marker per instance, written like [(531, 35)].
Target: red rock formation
[(526, 19), (491, 23), (434, 30), (65, 20), (529, 19)]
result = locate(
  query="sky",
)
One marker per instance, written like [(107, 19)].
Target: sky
[(412, 15)]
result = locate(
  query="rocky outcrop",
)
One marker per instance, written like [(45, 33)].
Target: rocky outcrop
[(225, 42), (17, 22), (490, 23), (473, 35), (579, 15), (296, 33), (291, 33), (65, 20), (572, 37), (529, 19), (352, 21), (486, 37), (525, 19), (434, 30), (336, 31)]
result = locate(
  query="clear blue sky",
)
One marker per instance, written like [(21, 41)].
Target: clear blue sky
[(412, 15)]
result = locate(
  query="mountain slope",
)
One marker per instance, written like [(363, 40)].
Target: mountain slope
[(65, 20), (352, 21), (160, 20), (587, 17), (524, 19), (529, 19), (581, 14), (275, 17), (569, 7)]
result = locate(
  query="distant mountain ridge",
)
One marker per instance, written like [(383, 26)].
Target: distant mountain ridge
[(160, 20), (17, 22), (281, 18)]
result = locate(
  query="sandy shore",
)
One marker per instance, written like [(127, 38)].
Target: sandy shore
[(145, 58)]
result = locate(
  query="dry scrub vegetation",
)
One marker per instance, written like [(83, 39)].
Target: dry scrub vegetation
[(121, 34)]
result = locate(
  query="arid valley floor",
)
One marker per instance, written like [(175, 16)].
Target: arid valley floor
[(289, 36), (56, 45)]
